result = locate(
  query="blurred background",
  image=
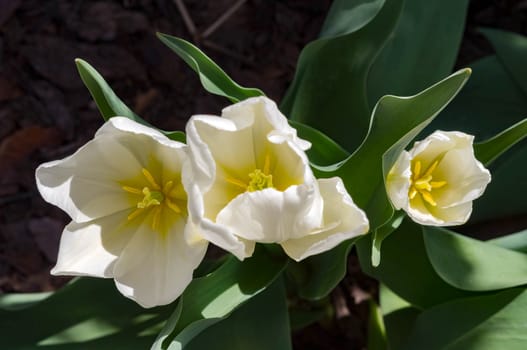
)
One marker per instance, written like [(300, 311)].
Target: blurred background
[(46, 113)]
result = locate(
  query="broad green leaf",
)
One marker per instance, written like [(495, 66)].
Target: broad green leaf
[(85, 314), (470, 264), (209, 299), (212, 77), (486, 322), (511, 49), (394, 123), (490, 102), (316, 276), (324, 151), (17, 301), (487, 151), (347, 16), (109, 104), (406, 269), (259, 324), (421, 50), (329, 88), (516, 241)]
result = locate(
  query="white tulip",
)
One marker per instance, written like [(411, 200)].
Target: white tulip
[(437, 180), (124, 193), (251, 182)]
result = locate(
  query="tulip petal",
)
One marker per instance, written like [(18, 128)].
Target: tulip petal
[(154, 269), (269, 215), (343, 220), (398, 181), (92, 248)]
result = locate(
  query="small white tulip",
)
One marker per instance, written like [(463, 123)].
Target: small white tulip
[(437, 180), (251, 182), (124, 193)]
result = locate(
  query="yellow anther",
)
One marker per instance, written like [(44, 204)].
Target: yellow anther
[(259, 181), (431, 168), (156, 216), (428, 198), (150, 179), (131, 189), (417, 169), (412, 193), (172, 206), (168, 186), (135, 213), (437, 184), (236, 182)]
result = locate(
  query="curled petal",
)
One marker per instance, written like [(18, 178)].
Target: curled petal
[(342, 220)]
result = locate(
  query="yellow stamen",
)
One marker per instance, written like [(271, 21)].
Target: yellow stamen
[(168, 186), (423, 184), (150, 179), (131, 189), (135, 213), (172, 206), (437, 184), (151, 198), (428, 198), (431, 168), (156, 218), (417, 169), (236, 182), (259, 181)]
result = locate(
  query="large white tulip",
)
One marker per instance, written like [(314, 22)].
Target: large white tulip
[(124, 193), (251, 182)]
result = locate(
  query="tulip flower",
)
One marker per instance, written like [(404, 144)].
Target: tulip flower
[(124, 193), (251, 183), (437, 180)]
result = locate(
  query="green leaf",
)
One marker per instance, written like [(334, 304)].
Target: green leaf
[(516, 241), (109, 104), (399, 317), (487, 151), (421, 50), (487, 322), (394, 123), (260, 324), (328, 91), (324, 151), (347, 16), (316, 276), (470, 264), (85, 314), (209, 299), (212, 77), (511, 49), (489, 103), (406, 269)]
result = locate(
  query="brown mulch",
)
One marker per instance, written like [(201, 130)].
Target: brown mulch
[(46, 113)]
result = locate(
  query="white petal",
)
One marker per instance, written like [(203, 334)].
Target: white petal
[(398, 181), (265, 117), (270, 216), (342, 220), (116, 125), (454, 215), (91, 249), (154, 270)]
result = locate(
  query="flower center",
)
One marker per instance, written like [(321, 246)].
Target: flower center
[(155, 199), (259, 181), (422, 182)]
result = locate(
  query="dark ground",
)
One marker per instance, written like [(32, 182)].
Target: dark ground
[(46, 113)]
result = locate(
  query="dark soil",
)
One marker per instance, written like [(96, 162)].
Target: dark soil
[(46, 113)]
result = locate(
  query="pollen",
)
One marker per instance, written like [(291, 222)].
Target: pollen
[(259, 181), (422, 184), (156, 200)]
